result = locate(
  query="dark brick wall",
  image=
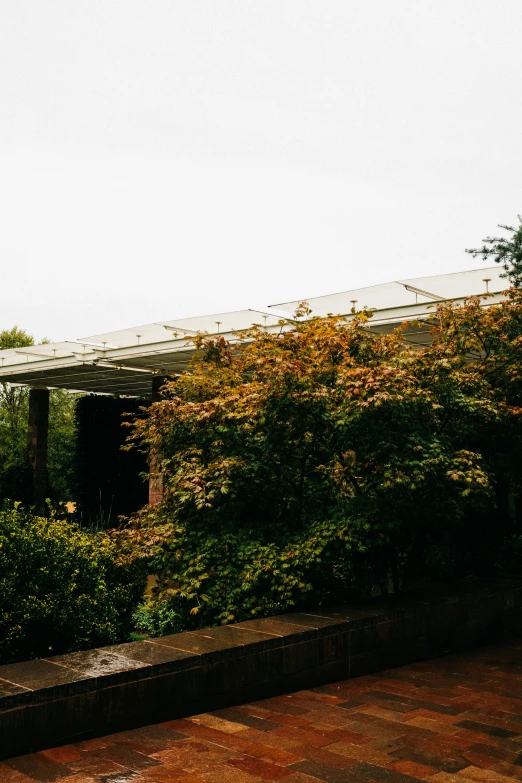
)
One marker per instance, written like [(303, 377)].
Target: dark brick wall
[(69, 697)]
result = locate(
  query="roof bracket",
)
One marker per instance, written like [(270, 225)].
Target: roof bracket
[(420, 291)]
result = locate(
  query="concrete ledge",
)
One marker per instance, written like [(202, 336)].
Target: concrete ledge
[(71, 697)]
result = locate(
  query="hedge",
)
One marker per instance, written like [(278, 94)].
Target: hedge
[(61, 588)]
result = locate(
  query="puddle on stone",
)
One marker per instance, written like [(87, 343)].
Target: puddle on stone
[(96, 663)]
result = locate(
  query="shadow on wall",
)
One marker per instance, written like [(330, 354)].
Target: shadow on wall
[(107, 479)]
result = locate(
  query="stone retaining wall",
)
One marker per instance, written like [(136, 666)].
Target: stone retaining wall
[(79, 695)]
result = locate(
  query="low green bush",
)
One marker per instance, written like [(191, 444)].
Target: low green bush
[(204, 579), (61, 588), (156, 617)]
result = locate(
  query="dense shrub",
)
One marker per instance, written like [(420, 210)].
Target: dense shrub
[(158, 618), (317, 462), (218, 577), (61, 589)]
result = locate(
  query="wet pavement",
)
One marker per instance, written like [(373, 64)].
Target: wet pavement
[(450, 720)]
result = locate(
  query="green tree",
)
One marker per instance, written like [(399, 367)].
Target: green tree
[(506, 251), (13, 407), (62, 445), (309, 464), (14, 338), (491, 337), (15, 478)]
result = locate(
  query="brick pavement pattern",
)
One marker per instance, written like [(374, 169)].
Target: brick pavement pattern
[(450, 720)]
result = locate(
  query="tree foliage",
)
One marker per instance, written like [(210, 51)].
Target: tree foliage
[(15, 338), (506, 251), (15, 473), (304, 465), (13, 407), (61, 454)]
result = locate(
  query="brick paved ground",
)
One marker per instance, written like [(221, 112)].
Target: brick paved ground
[(456, 719)]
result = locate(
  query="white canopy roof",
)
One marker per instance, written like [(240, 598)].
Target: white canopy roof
[(406, 293), (123, 362), (164, 331)]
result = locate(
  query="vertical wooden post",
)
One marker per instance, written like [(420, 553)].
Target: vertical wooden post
[(155, 477), (37, 434)]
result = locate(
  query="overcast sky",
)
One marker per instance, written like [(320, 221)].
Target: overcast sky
[(168, 158)]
